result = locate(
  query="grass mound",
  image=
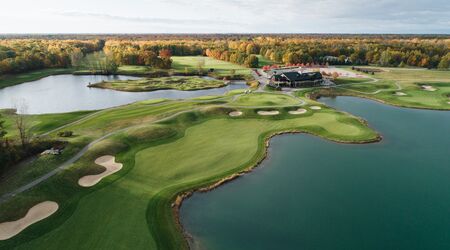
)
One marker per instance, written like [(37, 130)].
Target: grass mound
[(152, 84)]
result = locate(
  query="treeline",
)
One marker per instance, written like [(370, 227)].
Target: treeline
[(214, 37), (148, 53), (17, 56), (393, 51), (249, 60), (383, 52)]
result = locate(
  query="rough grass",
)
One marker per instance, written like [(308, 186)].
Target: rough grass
[(39, 124), (134, 69), (96, 126), (152, 84), (133, 207), (263, 61)]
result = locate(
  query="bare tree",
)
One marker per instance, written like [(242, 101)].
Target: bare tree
[(21, 122)]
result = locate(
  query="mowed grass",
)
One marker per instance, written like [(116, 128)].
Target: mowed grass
[(133, 207), (410, 80), (263, 61), (180, 63), (10, 80), (371, 87), (86, 130), (350, 80), (134, 69), (39, 124), (265, 99)]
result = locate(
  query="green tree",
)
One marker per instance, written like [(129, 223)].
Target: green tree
[(251, 49), (386, 58), (445, 62), (252, 62), (290, 58)]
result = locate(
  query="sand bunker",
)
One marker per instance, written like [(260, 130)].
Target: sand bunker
[(298, 112), (35, 214), (274, 112), (400, 94), (107, 161), (428, 88), (315, 108), (235, 113)]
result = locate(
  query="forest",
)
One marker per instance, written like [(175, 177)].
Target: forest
[(24, 54)]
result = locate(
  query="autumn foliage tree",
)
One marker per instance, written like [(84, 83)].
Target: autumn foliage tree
[(22, 55)]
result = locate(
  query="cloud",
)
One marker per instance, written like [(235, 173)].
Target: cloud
[(225, 16), (151, 20)]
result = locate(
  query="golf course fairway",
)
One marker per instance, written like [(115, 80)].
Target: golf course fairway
[(167, 149)]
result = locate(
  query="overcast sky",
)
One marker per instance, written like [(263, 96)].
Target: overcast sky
[(225, 16)]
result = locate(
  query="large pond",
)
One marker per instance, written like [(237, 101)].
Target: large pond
[(315, 194), (66, 93)]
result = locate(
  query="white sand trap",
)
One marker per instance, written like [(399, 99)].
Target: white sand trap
[(298, 112), (107, 161), (428, 88), (274, 112), (448, 102), (235, 113), (315, 108), (35, 214), (400, 94)]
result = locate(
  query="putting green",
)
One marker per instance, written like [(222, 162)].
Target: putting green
[(407, 81), (265, 99), (133, 206)]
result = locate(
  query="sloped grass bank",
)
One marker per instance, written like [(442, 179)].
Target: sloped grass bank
[(161, 161)]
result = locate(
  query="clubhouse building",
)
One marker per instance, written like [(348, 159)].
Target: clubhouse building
[(295, 79)]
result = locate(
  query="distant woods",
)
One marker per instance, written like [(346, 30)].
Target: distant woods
[(21, 55), (391, 51), (143, 53), (106, 53)]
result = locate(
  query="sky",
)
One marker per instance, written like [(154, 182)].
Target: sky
[(225, 16)]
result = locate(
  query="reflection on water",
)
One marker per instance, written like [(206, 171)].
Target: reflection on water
[(67, 93), (315, 194)]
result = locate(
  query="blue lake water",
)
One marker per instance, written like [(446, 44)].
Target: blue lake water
[(311, 193), (67, 93)]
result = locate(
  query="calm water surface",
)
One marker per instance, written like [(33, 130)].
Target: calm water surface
[(67, 93), (315, 194)]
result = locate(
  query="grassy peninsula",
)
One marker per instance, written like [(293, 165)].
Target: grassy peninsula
[(152, 84)]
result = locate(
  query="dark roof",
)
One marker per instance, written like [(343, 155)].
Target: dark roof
[(295, 76), (292, 76)]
